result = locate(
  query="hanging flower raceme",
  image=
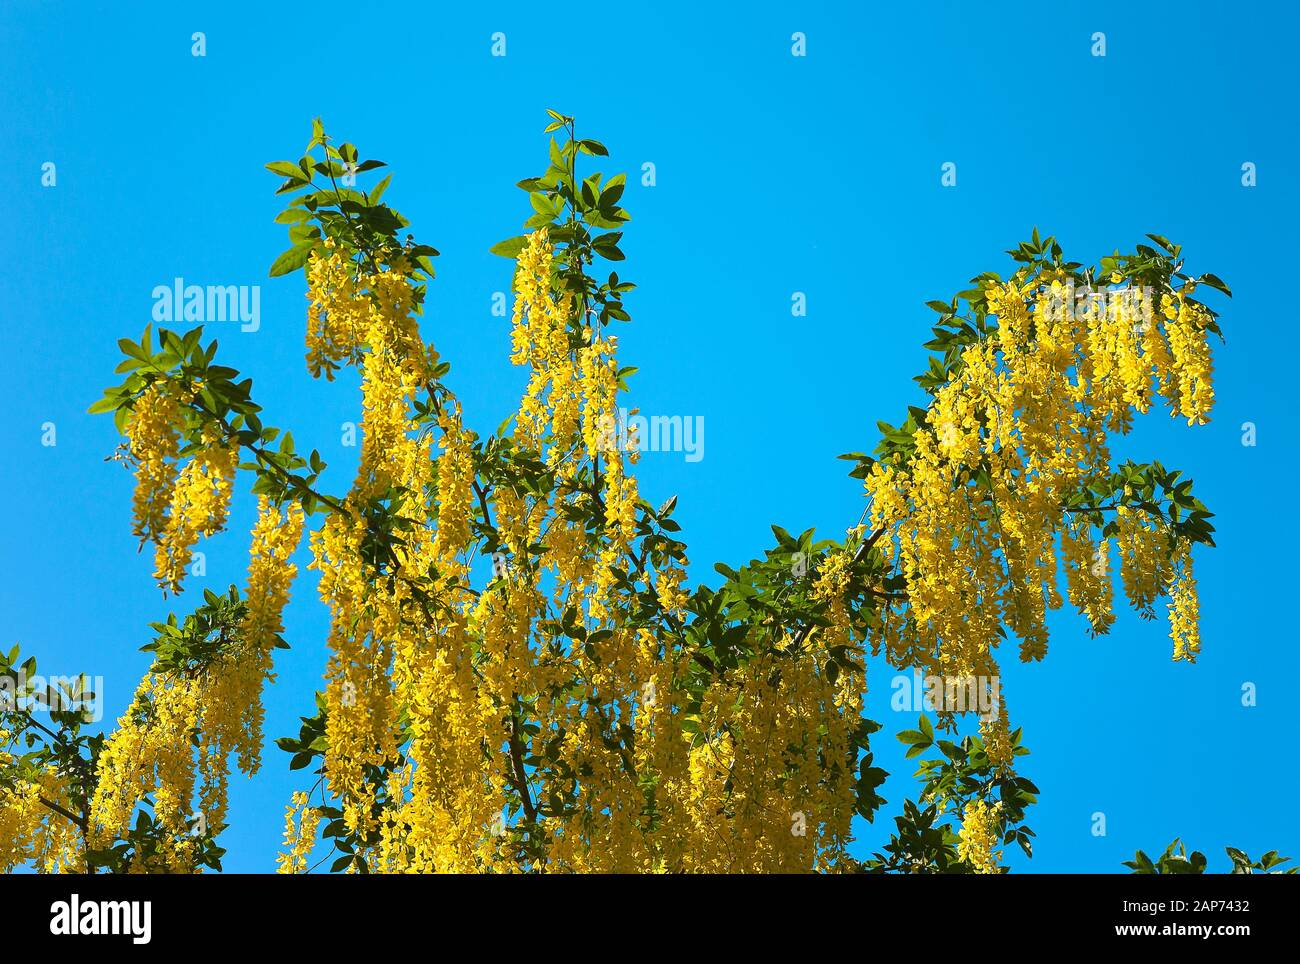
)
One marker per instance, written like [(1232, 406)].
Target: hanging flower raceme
[(151, 753), (153, 439), (399, 664), (199, 505), (339, 311), (32, 832), (979, 835), (172, 745), (176, 504), (974, 514), (1184, 611), (233, 717), (518, 676), (301, 822)]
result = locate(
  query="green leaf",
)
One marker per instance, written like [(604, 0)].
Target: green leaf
[(510, 247), (927, 728), (287, 169), (292, 216), (1214, 282), (292, 260), (378, 190)]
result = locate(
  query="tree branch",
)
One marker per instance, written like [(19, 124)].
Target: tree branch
[(520, 780), (79, 821)]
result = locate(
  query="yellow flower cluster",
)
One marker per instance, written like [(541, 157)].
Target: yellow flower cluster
[(1087, 578), (32, 833), (996, 733), (399, 652), (301, 822), (338, 313), (694, 789), (757, 797), (233, 719), (979, 835), (151, 752), (153, 441), (352, 309), (176, 737), (175, 507), (361, 720), (540, 339), (1184, 613), (1190, 380), (200, 501), (453, 677), (1144, 551), (973, 517)]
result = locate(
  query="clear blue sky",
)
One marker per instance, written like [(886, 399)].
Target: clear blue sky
[(775, 174)]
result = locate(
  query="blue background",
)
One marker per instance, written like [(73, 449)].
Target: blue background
[(775, 174)]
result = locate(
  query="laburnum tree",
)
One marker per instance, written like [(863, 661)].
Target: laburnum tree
[(518, 676)]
